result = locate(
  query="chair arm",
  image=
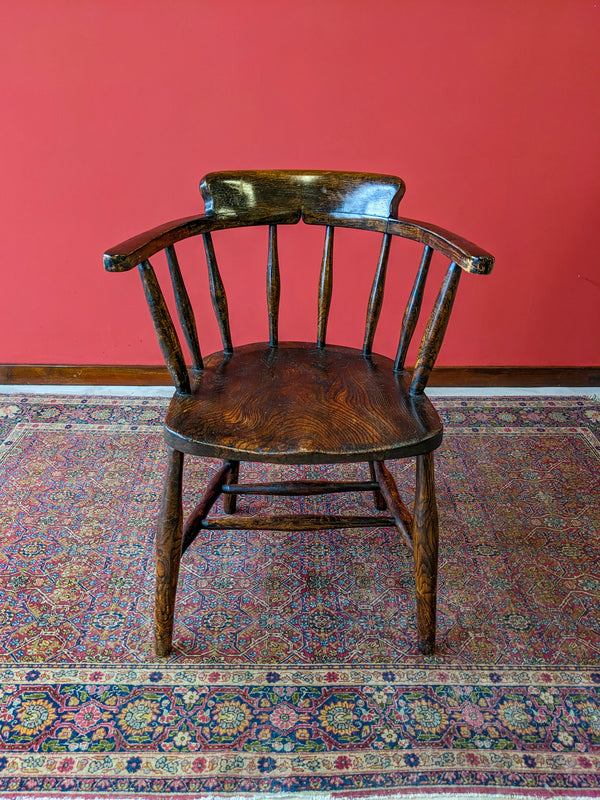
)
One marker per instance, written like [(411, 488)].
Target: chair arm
[(467, 255), (134, 251)]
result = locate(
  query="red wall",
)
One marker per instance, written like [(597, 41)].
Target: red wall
[(113, 109)]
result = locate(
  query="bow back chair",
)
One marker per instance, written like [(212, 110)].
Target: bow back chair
[(299, 402)]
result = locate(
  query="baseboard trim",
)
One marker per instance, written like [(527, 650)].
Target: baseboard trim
[(84, 375), (132, 375)]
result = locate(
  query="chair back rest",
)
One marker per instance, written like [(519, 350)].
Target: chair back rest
[(301, 193), (332, 199)]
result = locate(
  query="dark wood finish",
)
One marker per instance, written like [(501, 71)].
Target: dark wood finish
[(362, 200), (295, 522), (378, 498), (425, 543), (344, 220), (435, 330), (297, 402), (168, 553), (194, 522), (84, 375), (325, 287), (132, 252), (230, 500), (165, 330), (217, 294), (413, 310), (376, 298), (145, 375), (467, 255), (184, 308), (143, 246), (398, 510), (300, 488), (234, 194), (301, 404), (273, 286)]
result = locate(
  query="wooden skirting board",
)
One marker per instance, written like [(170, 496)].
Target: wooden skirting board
[(117, 375)]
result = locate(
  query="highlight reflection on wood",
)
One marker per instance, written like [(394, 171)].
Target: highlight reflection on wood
[(300, 402)]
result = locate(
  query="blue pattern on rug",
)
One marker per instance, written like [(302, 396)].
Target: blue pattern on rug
[(295, 666)]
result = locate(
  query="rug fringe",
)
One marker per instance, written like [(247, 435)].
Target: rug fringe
[(394, 794)]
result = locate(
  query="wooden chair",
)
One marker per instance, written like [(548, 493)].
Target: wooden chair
[(299, 403)]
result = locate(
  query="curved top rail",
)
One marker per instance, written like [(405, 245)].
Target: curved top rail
[(355, 193), (469, 256)]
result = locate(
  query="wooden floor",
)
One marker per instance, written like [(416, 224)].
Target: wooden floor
[(439, 391)]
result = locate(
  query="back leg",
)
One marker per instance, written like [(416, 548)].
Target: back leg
[(378, 498), (229, 501)]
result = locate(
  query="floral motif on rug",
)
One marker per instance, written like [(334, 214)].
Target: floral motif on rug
[(295, 666)]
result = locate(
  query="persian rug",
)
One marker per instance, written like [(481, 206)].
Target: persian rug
[(295, 667)]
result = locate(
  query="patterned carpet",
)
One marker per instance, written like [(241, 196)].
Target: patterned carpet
[(295, 667)]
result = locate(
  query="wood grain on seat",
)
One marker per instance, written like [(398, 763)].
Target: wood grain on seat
[(298, 403)]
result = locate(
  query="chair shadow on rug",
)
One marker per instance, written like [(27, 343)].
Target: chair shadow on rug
[(299, 402)]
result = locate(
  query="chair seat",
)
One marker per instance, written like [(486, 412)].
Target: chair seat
[(297, 403)]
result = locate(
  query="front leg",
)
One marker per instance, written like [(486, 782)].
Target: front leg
[(425, 542), (168, 553)]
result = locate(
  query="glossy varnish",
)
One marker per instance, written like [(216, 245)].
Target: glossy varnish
[(300, 402)]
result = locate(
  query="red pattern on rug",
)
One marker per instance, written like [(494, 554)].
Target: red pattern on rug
[(295, 665)]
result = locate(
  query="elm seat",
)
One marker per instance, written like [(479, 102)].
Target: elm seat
[(347, 406), (299, 402)]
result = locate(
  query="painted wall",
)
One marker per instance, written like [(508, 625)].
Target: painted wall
[(113, 109)]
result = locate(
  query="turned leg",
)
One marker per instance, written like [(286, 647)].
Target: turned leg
[(380, 503), (229, 500), (168, 553), (425, 541)]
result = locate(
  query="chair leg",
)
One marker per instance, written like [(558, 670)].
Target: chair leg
[(168, 553), (229, 501), (425, 542), (378, 498)]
